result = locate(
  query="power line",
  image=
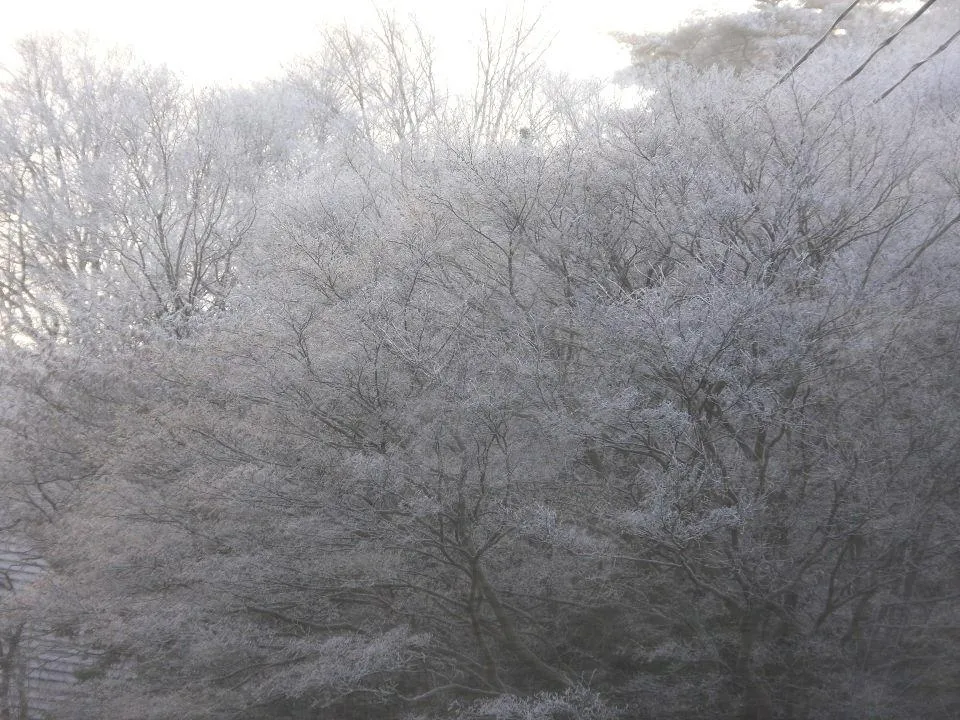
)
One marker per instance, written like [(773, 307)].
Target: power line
[(919, 65), (818, 43), (914, 18)]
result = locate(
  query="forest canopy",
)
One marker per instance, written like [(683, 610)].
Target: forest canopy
[(348, 396)]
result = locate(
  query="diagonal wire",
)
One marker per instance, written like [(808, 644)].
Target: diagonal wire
[(919, 65), (914, 18), (818, 43)]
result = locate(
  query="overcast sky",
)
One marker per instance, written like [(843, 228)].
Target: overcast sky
[(220, 41)]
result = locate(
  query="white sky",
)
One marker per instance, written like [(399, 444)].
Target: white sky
[(223, 41)]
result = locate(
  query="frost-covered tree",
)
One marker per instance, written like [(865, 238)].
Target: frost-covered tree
[(652, 417), (124, 198), (768, 38)]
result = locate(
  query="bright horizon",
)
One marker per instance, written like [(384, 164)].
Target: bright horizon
[(212, 41)]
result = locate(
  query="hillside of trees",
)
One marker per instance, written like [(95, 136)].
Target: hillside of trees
[(347, 395)]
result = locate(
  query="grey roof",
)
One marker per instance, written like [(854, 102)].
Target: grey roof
[(18, 565), (46, 665)]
